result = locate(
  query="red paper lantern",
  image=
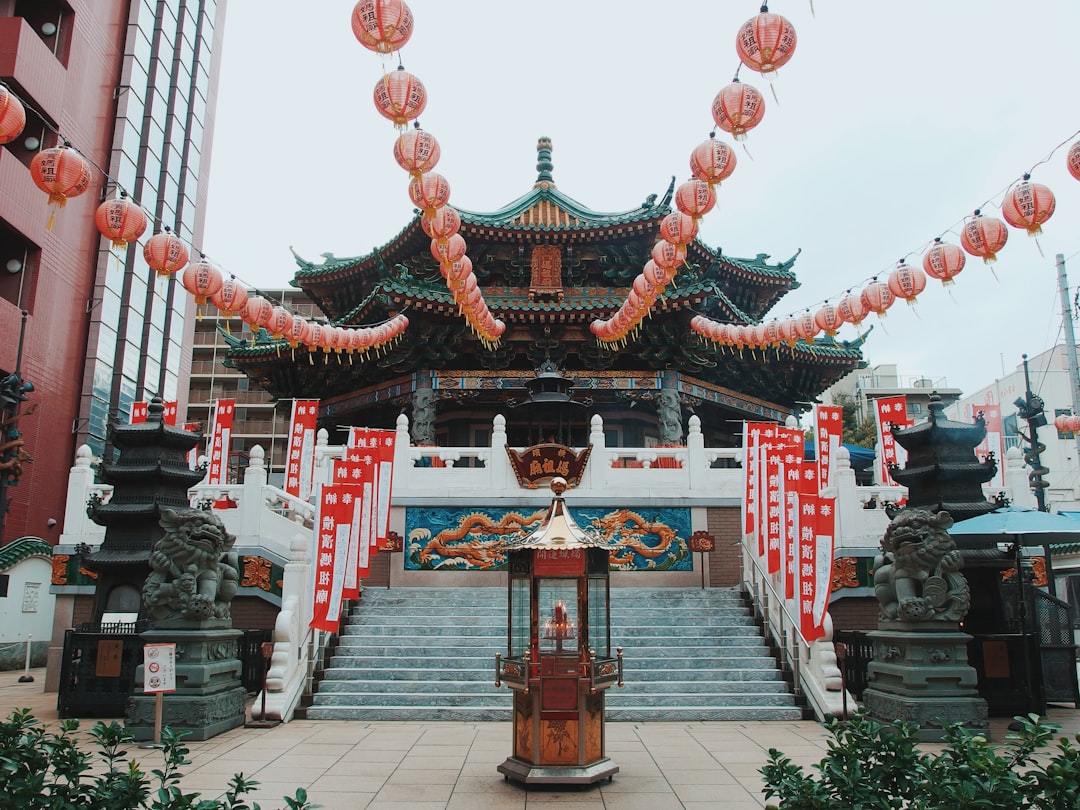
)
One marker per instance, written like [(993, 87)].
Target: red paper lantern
[(877, 298), (416, 151), (943, 262), (737, 109), (400, 96), (60, 172), (257, 311), (806, 327), (906, 282), (313, 336), (120, 220), (442, 223), (429, 192), (448, 251), (166, 253), (457, 272), (232, 297), (828, 319), (1074, 424), (12, 116), (201, 279), (984, 237), (678, 228), (787, 331), (852, 309), (654, 274), (645, 289), (1062, 423), (297, 331), (281, 323), (668, 256), (695, 198), (382, 25), (1072, 160), (712, 161), (765, 42), (1028, 205), (774, 336)]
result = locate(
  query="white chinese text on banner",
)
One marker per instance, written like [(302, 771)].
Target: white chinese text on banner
[(380, 445), (300, 459), (332, 529), (219, 441), (828, 429), (890, 412), (815, 564)]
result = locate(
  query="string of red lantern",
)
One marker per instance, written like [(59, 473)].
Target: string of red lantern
[(63, 173), (384, 26), (764, 43)]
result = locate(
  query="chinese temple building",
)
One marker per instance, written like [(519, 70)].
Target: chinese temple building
[(548, 266)]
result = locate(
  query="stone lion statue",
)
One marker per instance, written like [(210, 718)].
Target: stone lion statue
[(917, 575), (193, 572)]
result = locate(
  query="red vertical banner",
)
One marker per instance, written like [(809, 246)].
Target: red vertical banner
[(751, 436), (139, 412), (379, 444), (786, 453), (168, 413), (890, 412), (359, 476), (332, 528), (193, 461), (219, 441), (300, 461), (815, 564), (807, 485), (828, 429), (993, 442)]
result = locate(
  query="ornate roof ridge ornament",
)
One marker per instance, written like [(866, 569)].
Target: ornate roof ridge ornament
[(544, 166)]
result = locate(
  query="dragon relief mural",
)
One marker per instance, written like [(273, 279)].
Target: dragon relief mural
[(471, 539)]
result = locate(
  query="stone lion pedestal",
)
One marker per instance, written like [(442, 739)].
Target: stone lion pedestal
[(192, 583), (920, 672), (921, 675)]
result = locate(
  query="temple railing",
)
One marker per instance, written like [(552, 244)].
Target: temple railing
[(270, 522)]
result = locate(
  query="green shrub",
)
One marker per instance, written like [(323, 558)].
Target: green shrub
[(870, 765), (46, 770)]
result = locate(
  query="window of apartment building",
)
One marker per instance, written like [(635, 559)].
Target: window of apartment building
[(52, 22), (19, 259)]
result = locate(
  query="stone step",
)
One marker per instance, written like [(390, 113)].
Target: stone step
[(487, 684), (423, 696)]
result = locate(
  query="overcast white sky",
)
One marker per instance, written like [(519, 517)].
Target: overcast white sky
[(895, 121)]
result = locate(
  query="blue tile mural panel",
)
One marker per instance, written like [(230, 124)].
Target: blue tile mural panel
[(438, 538)]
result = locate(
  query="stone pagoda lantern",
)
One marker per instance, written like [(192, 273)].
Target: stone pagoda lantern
[(559, 659)]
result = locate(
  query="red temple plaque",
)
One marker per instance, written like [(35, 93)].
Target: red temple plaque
[(540, 463), (559, 562)]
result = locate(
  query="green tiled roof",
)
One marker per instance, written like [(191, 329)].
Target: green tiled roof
[(18, 550)]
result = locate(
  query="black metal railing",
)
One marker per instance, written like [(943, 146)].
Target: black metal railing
[(856, 658)]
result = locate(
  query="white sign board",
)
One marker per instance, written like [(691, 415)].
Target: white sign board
[(159, 668)]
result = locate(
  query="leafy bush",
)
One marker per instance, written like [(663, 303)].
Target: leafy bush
[(870, 765), (46, 770)]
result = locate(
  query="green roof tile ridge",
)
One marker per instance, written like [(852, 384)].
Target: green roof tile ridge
[(21, 548)]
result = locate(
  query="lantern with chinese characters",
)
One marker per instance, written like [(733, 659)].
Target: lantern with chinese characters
[(828, 319), (851, 308), (559, 660), (429, 192), (400, 96), (442, 223), (983, 236), (256, 312), (166, 253), (712, 161), (62, 173), (231, 298), (448, 251), (12, 116), (1063, 423), (806, 327), (382, 25), (201, 279), (120, 220), (943, 262), (695, 198), (1072, 160), (737, 109), (906, 282), (765, 42), (1028, 205), (668, 256), (281, 323), (416, 151), (877, 298), (678, 228)]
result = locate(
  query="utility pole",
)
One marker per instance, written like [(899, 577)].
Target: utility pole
[(1070, 342)]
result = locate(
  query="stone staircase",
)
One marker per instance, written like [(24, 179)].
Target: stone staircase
[(429, 654)]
